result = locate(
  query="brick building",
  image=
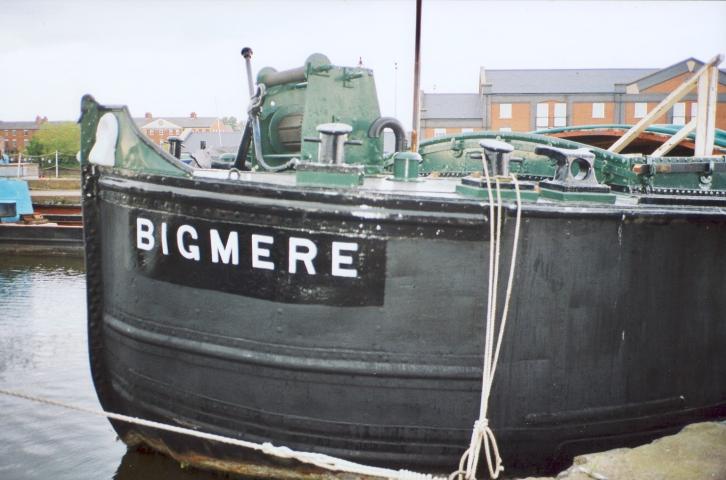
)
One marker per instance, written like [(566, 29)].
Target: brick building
[(527, 100), (158, 129), (14, 136)]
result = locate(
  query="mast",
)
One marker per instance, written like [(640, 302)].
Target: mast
[(416, 77)]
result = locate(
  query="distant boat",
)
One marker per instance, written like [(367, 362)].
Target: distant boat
[(29, 228), (332, 300)]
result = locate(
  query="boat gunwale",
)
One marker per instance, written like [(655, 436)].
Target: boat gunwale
[(467, 210)]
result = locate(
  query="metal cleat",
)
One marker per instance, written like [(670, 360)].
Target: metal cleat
[(331, 169), (497, 154), (574, 177)]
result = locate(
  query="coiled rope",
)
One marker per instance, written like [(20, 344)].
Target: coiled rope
[(482, 436), (320, 460)]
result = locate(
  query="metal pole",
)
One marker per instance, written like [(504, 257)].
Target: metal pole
[(247, 53), (395, 90), (56, 164), (416, 77)]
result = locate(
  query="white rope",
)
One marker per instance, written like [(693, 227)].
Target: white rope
[(320, 460), (482, 436)]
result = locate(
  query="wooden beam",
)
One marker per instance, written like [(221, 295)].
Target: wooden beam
[(711, 115), (675, 139), (701, 116), (677, 94)]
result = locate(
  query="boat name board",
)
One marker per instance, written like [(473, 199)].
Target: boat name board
[(270, 263)]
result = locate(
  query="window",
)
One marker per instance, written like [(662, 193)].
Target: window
[(439, 132), (598, 110), (25, 132), (694, 110), (543, 113), (679, 114), (641, 110), (560, 114), (505, 129), (505, 110), (467, 130)]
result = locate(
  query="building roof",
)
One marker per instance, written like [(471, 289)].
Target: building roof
[(19, 125), (183, 122), (219, 141), (596, 80), (451, 105)]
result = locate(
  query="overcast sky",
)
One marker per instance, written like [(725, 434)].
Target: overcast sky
[(173, 57)]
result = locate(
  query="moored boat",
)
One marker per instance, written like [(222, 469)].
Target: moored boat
[(29, 228), (327, 297)]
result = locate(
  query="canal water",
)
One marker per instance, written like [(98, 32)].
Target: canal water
[(43, 352)]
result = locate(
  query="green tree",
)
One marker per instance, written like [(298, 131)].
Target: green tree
[(34, 147), (232, 122), (64, 137)]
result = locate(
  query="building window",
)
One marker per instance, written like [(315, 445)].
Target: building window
[(641, 110), (598, 110), (505, 110), (694, 110), (543, 113), (679, 114), (560, 114), (505, 129), (439, 132), (467, 130)]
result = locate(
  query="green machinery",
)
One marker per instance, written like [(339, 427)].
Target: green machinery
[(288, 106)]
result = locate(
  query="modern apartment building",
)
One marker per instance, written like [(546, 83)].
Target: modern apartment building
[(527, 100)]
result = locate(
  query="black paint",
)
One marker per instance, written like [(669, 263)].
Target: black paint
[(279, 285)]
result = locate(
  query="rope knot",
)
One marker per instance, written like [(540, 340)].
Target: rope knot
[(481, 426)]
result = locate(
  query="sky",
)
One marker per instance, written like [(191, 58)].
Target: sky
[(172, 57)]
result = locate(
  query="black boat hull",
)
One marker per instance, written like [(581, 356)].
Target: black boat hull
[(615, 333)]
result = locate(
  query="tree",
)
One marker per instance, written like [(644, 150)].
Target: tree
[(232, 122), (64, 137)]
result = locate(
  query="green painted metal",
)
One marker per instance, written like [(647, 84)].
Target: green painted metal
[(331, 178), (576, 197), (134, 151), (506, 194), (319, 93), (453, 155), (405, 166)]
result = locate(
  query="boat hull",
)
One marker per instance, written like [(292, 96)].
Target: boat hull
[(615, 332)]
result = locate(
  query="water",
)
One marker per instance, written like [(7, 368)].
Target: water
[(43, 352)]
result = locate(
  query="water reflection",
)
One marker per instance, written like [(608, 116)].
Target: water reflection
[(146, 464), (43, 352)]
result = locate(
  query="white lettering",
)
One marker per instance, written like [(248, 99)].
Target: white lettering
[(295, 255), (258, 252), (192, 251), (338, 259), (164, 239), (144, 234), (225, 251)]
